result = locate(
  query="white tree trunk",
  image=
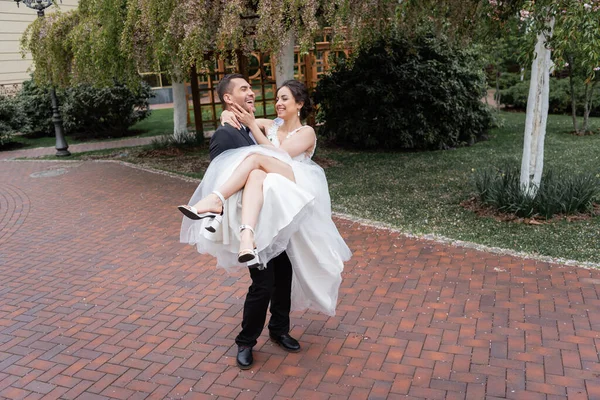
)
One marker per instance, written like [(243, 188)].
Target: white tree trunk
[(284, 64), (532, 163), (180, 109)]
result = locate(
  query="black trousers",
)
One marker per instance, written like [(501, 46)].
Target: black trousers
[(274, 285)]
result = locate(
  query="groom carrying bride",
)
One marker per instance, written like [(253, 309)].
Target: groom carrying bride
[(273, 284), (285, 214)]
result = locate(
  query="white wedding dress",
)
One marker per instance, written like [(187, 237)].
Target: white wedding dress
[(295, 217)]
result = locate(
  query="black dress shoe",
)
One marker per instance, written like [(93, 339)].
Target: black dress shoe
[(244, 357), (286, 342)]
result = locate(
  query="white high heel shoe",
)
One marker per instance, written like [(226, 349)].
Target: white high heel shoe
[(218, 219), (250, 256), (192, 213)]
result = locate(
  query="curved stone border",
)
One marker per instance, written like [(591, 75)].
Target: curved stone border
[(470, 245), (14, 208)]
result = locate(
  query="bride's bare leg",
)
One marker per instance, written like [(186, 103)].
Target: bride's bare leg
[(252, 202), (238, 179)]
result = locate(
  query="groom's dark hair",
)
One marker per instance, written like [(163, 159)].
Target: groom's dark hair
[(224, 85)]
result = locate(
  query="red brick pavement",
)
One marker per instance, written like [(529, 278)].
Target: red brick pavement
[(99, 300)]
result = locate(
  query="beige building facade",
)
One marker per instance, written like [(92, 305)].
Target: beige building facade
[(13, 22)]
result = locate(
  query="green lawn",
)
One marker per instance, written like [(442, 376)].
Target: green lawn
[(159, 122), (420, 192)]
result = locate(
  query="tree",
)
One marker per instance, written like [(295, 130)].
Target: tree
[(280, 25), (108, 39), (150, 40), (532, 162), (80, 46), (577, 43), (548, 23)]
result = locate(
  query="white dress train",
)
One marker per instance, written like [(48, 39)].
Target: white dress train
[(295, 217)]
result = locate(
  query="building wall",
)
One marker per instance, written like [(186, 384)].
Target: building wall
[(13, 22)]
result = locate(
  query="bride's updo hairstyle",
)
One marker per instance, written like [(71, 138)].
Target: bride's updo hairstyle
[(300, 95)]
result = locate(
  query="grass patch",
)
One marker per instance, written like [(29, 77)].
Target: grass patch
[(20, 142), (159, 122), (421, 192)]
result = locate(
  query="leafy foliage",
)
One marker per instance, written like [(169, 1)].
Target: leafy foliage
[(577, 36), (560, 99), (361, 24), (558, 193), (50, 42), (80, 46), (36, 104), (180, 142), (416, 93), (101, 112), (86, 110), (108, 39), (8, 111)]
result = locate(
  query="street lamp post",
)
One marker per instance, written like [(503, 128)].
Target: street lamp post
[(61, 143)]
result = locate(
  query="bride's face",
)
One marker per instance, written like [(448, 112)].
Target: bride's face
[(286, 105)]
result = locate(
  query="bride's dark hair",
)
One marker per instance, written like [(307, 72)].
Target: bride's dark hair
[(300, 94)]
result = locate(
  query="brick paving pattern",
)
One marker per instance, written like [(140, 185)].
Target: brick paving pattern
[(98, 300)]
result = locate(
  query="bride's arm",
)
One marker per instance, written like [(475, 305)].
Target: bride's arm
[(300, 142), (228, 117)]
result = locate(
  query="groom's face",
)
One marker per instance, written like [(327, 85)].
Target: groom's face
[(241, 94)]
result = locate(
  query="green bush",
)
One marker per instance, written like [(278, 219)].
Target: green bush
[(190, 140), (564, 194), (11, 119), (506, 80), (559, 97), (87, 112), (104, 112), (7, 110), (416, 93), (35, 100)]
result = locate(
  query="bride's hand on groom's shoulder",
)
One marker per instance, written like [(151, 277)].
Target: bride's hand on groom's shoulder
[(228, 117)]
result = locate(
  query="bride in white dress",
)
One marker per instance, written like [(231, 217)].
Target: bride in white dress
[(284, 205)]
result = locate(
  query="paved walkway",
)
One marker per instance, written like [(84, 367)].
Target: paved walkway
[(75, 148), (98, 300)]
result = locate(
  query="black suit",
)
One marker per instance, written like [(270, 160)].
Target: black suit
[(273, 284), (227, 137)]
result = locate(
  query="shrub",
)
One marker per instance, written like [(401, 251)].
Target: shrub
[(416, 93), (190, 140), (558, 193), (7, 110), (506, 80), (559, 97), (86, 111), (11, 119), (35, 100), (101, 112)]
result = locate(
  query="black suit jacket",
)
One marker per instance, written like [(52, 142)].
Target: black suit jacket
[(226, 137)]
